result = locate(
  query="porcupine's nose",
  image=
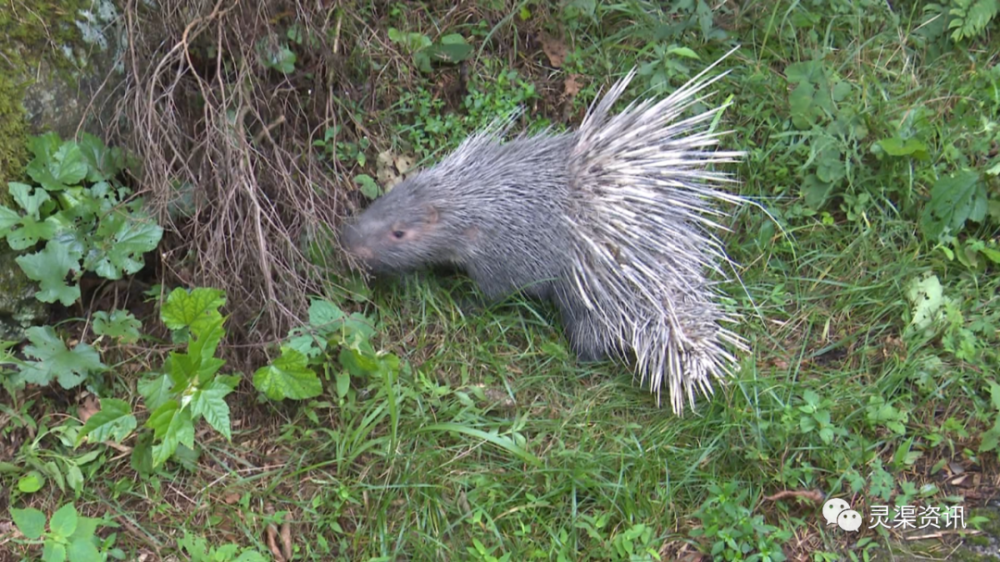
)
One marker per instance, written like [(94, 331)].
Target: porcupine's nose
[(353, 242)]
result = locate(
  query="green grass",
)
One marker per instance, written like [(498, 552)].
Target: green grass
[(494, 444)]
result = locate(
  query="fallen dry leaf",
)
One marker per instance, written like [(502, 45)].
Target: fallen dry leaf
[(89, 407), (572, 85), (555, 49)]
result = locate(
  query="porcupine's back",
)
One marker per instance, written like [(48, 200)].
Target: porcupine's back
[(643, 207)]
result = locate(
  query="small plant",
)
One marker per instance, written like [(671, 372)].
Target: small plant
[(291, 375), (81, 213), (451, 48), (967, 19), (735, 533), (188, 389), (198, 550), (70, 536), (434, 129)]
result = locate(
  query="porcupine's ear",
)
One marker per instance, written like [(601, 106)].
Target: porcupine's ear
[(431, 215)]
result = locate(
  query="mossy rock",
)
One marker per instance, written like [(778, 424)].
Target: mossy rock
[(19, 309)]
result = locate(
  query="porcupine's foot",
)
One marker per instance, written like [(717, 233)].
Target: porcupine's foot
[(584, 336)]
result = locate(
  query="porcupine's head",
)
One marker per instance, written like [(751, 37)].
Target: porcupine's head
[(411, 226)]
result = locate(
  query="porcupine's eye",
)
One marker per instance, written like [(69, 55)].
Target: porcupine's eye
[(398, 234)]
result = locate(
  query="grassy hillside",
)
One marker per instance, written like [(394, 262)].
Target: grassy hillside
[(867, 282)]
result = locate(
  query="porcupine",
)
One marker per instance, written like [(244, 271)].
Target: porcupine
[(613, 222)]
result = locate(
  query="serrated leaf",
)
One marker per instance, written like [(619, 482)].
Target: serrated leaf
[(955, 199), (30, 521), (194, 309), (63, 522), (210, 403), (157, 391), (55, 361), (120, 324), (50, 268), (114, 421), (288, 377), (171, 425), (208, 334)]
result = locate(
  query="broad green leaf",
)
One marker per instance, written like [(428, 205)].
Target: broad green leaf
[(8, 220), (954, 199), (63, 522), (194, 309), (989, 440), (895, 146), (30, 482), (53, 552), (125, 248), (29, 198), (44, 146), (323, 314), (288, 377), (451, 48), (31, 231), (30, 521), (927, 296), (104, 163), (343, 380), (211, 404), (85, 527), (120, 324), (114, 421), (369, 188), (83, 549), (358, 364), (65, 168), (55, 361), (50, 268), (74, 479)]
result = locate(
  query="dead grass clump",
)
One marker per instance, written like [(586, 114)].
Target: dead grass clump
[(225, 141)]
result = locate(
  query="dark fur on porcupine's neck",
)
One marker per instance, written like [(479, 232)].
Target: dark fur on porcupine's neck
[(613, 222)]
